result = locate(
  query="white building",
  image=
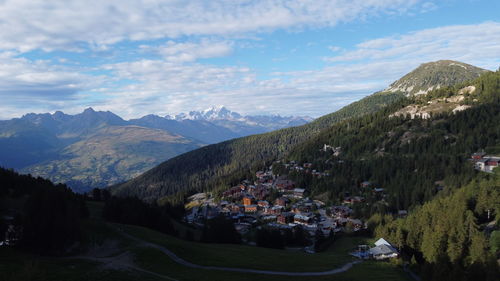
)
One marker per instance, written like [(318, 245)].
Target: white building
[(383, 250)]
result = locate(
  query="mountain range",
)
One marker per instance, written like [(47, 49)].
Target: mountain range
[(97, 148), (229, 162)]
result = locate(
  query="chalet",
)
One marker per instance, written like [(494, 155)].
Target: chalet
[(302, 219), (285, 218), (383, 250), (478, 155), (247, 200), (487, 163), (236, 208), (298, 192), (276, 210), (402, 213), (250, 208), (493, 161), (357, 224), (269, 218), (302, 207), (365, 184), (281, 201), (327, 226), (260, 191), (234, 191), (283, 184), (263, 204), (378, 190), (340, 211), (354, 199)]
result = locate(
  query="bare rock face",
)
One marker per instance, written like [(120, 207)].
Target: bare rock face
[(439, 105)]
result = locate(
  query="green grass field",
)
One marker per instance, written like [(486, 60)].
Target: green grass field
[(18, 265)]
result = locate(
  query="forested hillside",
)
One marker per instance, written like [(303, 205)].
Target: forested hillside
[(410, 158), (451, 237), (41, 217), (230, 161), (226, 163)]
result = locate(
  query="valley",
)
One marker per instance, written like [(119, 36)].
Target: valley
[(98, 149)]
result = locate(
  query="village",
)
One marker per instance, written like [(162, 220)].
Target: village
[(276, 203)]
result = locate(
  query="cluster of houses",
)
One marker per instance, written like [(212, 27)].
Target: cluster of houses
[(275, 202), (485, 163)]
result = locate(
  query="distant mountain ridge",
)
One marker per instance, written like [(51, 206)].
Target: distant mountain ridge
[(99, 148), (253, 124)]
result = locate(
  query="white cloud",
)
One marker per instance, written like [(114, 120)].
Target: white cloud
[(176, 82), (189, 51), (370, 67), (477, 44), (23, 77), (428, 7), (168, 87), (334, 48), (164, 87), (48, 25), (28, 85)]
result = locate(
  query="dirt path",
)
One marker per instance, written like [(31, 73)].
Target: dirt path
[(123, 261), (234, 269)]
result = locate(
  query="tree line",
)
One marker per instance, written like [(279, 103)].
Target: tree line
[(49, 217)]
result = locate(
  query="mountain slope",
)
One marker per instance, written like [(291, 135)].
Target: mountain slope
[(111, 155), (201, 130), (446, 234), (434, 75), (23, 143), (230, 161), (399, 151)]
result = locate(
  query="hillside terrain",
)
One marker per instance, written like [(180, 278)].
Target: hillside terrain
[(409, 167), (434, 75), (110, 155), (394, 147), (80, 244), (97, 149), (229, 162)]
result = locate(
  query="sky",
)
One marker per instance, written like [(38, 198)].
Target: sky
[(287, 57)]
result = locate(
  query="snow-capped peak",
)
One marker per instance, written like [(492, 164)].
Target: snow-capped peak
[(215, 108), (222, 116), (218, 112)]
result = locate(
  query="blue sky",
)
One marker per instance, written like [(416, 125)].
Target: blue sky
[(288, 57)]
